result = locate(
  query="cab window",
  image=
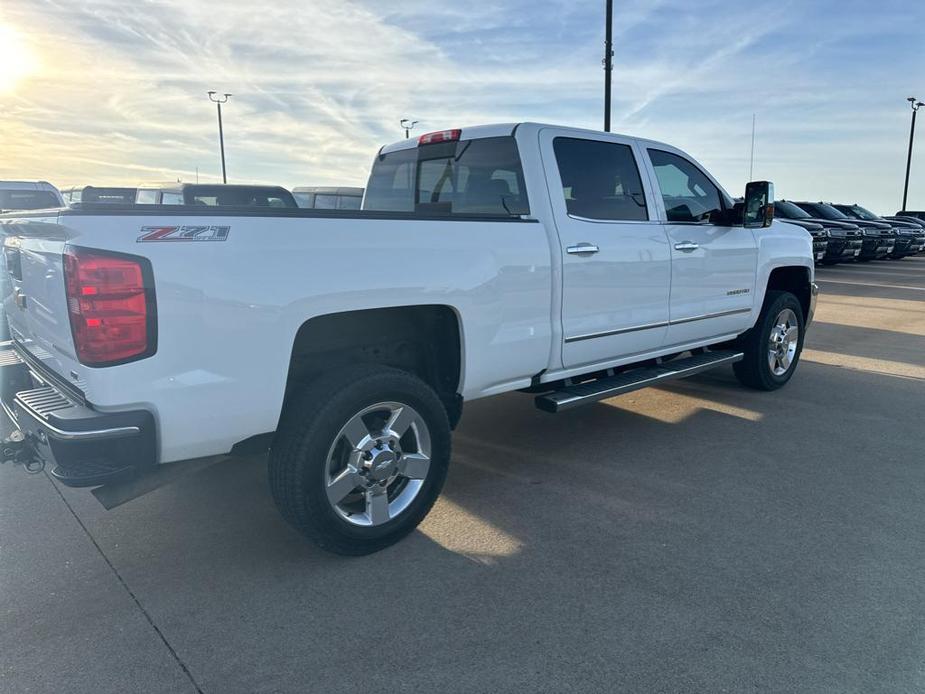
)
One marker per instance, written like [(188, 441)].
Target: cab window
[(688, 194), (600, 180)]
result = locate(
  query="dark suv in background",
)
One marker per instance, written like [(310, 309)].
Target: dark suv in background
[(912, 220), (878, 237), (817, 231), (909, 237), (844, 238)]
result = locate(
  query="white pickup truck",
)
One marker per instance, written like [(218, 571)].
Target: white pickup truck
[(572, 264)]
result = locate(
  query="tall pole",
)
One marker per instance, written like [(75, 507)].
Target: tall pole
[(218, 101), (608, 64), (221, 143), (751, 166), (915, 107)]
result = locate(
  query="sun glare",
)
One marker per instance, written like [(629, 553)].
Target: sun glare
[(17, 60)]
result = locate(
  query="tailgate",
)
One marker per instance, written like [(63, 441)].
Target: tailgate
[(35, 304)]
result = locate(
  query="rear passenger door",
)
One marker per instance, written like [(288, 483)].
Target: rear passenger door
[(713, 266), (616, 263)]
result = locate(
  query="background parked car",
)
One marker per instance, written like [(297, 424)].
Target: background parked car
[(212, 195), (878, 237), (99, 194), (818, 232), (918, 214), (909, 237), (912, 220), (844, 238), (321, 198), (29, 195)]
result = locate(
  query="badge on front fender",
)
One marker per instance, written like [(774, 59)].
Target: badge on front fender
[(184, 233)]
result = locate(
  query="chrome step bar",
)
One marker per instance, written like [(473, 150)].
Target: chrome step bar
[(591, 391)]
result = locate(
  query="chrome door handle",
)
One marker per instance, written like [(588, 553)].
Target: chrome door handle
[(582, 249), (686, 246)]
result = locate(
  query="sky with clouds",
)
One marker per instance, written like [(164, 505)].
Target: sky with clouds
[(114, 91)]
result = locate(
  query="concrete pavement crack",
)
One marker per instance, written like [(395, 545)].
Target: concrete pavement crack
[(128, 590)]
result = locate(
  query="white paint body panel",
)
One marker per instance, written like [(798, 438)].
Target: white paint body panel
[(228, 312)]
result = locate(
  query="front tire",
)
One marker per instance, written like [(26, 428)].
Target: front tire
[(773, 346), (360, 458)]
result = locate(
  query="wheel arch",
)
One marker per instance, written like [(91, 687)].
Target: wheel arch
[(424, 339), (796, 279)]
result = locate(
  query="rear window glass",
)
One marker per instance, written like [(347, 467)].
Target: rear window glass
[(482, 176), (304, 199), (218, 196), (114, 196), (146, 197), (325, 202), (27, 200)]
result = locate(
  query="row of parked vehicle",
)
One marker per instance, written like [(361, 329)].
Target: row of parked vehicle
[(35, 195), (849, 233), (841, 233)]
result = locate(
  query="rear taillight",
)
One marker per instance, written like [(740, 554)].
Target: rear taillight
[(110, 300), (440, 136)]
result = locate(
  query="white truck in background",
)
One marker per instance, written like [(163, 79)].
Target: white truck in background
[(572, 264)]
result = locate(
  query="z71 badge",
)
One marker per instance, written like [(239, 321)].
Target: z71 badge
[(184, 233)]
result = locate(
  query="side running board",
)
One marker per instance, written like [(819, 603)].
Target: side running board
[(591, 391)]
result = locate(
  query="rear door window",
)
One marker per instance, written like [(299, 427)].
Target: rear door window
[(600, 180)]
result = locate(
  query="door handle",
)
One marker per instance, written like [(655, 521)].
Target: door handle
[(686, 246), (582, 249)]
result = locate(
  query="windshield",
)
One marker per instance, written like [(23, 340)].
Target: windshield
[(28, 200), (861, 213), (481, 176), (820, 209), (790, 211)]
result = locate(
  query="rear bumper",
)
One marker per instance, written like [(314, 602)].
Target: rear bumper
[(83, 446)]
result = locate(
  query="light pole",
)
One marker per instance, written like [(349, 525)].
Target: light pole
[(608, 64), (218, 101), (915, 104), (408, 125)]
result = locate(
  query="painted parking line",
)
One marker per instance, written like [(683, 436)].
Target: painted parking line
[(872, 284), (884, 367)]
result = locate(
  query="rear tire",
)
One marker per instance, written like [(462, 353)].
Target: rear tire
[(360, 458), (772, 349)]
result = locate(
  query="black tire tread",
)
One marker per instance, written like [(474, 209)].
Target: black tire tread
[(306, 416), (753, 370)]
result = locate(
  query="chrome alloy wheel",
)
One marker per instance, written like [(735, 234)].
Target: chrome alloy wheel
[(783, 342), (378, 463)]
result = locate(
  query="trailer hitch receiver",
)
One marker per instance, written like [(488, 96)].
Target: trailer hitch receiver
[(18, 449)]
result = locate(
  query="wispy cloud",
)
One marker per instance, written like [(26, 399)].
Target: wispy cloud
[(319, 86)]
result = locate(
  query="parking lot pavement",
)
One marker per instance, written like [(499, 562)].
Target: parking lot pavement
[(693, 538)]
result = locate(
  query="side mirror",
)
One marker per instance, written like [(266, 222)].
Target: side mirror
[(759, 204)]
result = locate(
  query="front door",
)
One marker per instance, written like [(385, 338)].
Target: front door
[(616, 262), (713, 267)]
